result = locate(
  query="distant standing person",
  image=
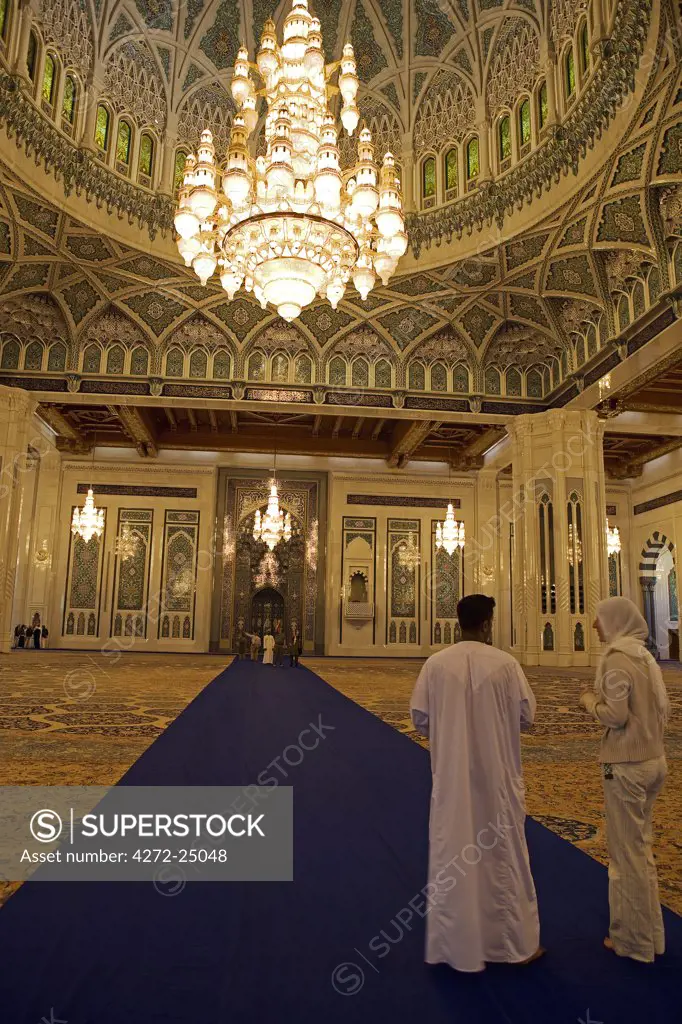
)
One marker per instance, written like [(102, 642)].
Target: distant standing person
[(268, 649), (279, 647), (37, 633), (255, 645), (630, 701), (472, 701), (294, 649), (44, 634), (241, 644)]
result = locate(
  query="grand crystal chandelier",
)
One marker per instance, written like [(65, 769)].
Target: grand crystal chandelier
[(613, 545), (291, 225), (274, 526), (450, 534), (88, 521)]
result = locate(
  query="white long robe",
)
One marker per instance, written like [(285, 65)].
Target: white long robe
[(268, 648), (472, 701)]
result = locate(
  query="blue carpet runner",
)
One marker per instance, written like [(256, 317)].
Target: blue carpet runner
[(247, 953)]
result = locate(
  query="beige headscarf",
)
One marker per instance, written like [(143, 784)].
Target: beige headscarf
[(626, 630)]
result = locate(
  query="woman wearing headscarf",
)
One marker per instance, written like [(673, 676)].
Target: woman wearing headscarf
[(630, 701)]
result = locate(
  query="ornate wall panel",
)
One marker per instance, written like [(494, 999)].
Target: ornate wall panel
[(446, 588), (179, 575), (403, 576), (131, 572), (84, 586)]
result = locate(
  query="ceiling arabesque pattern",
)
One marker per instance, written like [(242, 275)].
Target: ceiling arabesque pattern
[(526, 320)]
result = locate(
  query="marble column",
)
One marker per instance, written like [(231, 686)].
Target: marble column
[(17, 435), (556, 456)]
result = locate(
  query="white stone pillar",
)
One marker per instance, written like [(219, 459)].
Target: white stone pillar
[(43, 554), (484, 548), (558, 453), (16, 433)]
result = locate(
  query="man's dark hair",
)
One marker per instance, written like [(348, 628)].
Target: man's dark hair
[(474, 610)]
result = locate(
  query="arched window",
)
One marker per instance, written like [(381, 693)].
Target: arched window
[(504, 142), (579, 350), (429, 181), (49, 81), (32, 55), (33, 357), (337, 371), (654, 283), (69, 103), (10, 355), (221, 365), (145, 164), (124, 141), (417, 377), (4, 19), (175, 363), (534, 388), (439, 377), (92, 358), (451, 174), (472, 161), (115, 359), (623, 312), (591, 341), (198, 363), (279, 370), (492, 381), (102, 126), (524, 127), (569, 73), (139, 362), (179, 170), (638, 302), (256, 367), (543, 107), (359, 373), (584, 41), (56, 359), (513, 382), (303, 370), (460, 379), (382, 374)]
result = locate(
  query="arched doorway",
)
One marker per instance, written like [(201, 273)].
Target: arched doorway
[(268, 609), (659, 591)]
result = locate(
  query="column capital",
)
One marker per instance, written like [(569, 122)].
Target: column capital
[(17, 401)]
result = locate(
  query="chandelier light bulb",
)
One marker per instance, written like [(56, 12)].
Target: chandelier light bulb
[(613, 544), (284, 225)]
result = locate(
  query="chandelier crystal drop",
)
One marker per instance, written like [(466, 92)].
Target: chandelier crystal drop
[(291, 224), (612, 539), (450, 534), (274, 526), (88, 521)]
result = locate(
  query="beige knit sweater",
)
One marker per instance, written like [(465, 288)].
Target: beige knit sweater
[(624, 702)]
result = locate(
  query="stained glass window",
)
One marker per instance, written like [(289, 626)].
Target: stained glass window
[(569, 70), (115, 359), (49, 79), (505, 139), (123, 143), (654, 284), (429, 178), (179, 172), (221, 366), (382, 374), (3, 17), (56, 359), (139, 362), (337, 371), (175, 363), (524, 122), (303, 370), (534, 384), (280, 369), (472, 158), (31, 56), (33, 358), (513, 382), (492, 381), (10, 355), (543, 109), (360, 373), (451, 171), (672, 595), (416, 377), (69, 101), (584, 49), (92, 358), (623, 312), (439, 377), (256, 370), (591, 341), (460, 379), (579, 350), (146, 163), (198, 363), (102, 127)]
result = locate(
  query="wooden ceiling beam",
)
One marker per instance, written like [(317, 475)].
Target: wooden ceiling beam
[(620, 468), (268, 439), (316, 426), (234, 422), (69, 438), (170, 416), (338, 423), (192, 417), (213, 420), (407, 438), (135, 426), (359, 423), (378, 426)]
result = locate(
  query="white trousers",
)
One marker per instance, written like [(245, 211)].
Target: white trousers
[(636, 920)]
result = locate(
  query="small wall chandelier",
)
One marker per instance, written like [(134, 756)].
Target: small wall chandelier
[(88, 521), (274, 526), (127, 543), (409, 555), (613, 544), (291, 224), (450, 534)]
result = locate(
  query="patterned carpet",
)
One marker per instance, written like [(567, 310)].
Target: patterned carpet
[(83, 719), (563, 784)]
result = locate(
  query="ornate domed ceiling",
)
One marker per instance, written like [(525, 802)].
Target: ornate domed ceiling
[(539, 258)]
